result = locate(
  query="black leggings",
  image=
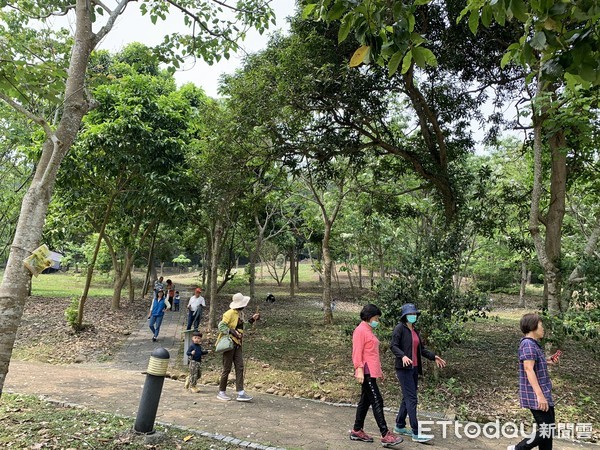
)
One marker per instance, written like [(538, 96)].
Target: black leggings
[(545, 429), (370, 396)]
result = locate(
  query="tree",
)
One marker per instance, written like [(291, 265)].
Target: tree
[(327, 187), (559, 50), (212, 38), (144, 119)]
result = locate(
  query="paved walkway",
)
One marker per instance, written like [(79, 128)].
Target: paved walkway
[(268, 422), (134, 354)]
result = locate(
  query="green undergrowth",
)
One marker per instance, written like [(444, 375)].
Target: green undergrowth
[(26, 422)]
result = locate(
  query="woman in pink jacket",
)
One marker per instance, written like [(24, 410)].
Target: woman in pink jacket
[(367, 368)]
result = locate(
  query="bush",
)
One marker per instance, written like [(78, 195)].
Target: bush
[(72, 312), (440, 327)]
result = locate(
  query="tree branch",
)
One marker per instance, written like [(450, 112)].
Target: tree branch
[(119, 9), (40, 121)]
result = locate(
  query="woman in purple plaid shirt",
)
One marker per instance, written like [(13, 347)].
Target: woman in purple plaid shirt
[(535, 387)]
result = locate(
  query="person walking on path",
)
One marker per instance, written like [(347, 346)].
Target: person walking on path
[(176, 301), (407, 346), (170, 294), (535, 387), (367, 368), (156, 314), (195, 306), (233, 324), (158, 285), (195, 352)]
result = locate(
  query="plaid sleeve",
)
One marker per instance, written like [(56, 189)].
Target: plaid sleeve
[(527, 351)]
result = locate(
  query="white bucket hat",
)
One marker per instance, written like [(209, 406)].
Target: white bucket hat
[(239, 301)]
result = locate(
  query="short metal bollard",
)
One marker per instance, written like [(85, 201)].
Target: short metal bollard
[(155, 378)]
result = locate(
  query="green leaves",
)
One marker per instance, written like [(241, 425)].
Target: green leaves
[(538, 41), (559, 37), (518, 8), (424, 57), (33, 62), (387, 40), (345, 27), (394, 63)]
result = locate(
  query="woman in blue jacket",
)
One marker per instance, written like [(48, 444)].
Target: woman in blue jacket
[(408, 348), (156, 314)]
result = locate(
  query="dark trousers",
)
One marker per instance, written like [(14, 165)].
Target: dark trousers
[(194, 318), (543, 434), (409, 382), (370, 396), (229, 358)]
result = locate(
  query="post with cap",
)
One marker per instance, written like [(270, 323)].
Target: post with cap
[(155, 378)]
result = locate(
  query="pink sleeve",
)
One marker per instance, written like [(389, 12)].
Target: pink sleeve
[(358, 343)]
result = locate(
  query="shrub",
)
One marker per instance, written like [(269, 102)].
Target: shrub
[(72, 312)]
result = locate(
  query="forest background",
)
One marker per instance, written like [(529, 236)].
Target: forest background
[(346, 142)]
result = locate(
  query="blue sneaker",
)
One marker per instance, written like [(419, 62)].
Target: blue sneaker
[(405, 431), (421, 438)]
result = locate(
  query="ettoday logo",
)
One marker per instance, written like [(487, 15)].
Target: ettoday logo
[(508, 430)]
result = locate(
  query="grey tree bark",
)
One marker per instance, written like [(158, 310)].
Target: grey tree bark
[(13, 290), (548, 249)]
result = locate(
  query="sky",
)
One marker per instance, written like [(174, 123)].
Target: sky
[(131, 26)]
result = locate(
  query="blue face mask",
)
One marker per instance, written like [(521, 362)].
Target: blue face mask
[(411, 318), (374, 324)]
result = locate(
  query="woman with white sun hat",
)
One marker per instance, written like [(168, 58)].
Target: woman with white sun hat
[(233, 324)]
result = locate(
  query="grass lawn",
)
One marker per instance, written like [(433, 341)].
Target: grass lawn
[(70, 285)]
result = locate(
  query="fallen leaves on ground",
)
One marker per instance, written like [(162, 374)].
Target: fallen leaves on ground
[(44, 334)]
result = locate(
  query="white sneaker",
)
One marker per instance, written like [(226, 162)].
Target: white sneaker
[(511, 447), (222, 396)]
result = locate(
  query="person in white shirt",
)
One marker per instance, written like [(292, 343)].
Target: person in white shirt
[(195, 307)]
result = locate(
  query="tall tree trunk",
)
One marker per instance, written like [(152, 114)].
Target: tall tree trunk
[(296, 270), (551, 271), (121, 272), (360, 280), (254, 254), (555, 216), (204, 259), (151, 270), (523, 283), (90, 269), (348, 267), (131, 288), (327, 267), (292, 273), (216, 243), (13, 291), (336, 275)]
